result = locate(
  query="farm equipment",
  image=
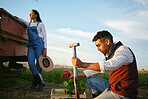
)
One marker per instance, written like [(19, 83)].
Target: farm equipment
[(13, 42)]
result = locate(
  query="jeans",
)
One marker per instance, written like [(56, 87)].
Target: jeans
[(96, 84), (35, 49)]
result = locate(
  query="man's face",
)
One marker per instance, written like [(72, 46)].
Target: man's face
[(102, 45)]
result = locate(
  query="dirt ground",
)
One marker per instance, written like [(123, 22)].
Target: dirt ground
[(17, 90), (143, 93), (21, 92), (14, 88)]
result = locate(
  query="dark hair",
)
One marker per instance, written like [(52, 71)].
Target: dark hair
[(38, 15), (103, 34)]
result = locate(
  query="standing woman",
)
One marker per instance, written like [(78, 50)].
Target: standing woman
[(37, 45)]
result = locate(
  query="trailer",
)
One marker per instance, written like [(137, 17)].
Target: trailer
[(13, 41)]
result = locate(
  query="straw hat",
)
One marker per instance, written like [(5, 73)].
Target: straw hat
[(45, 63)]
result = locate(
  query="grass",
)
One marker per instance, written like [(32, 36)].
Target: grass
[(143, 78), (15, 86)]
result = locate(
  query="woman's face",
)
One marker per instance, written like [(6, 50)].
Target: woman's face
[(32, 15)]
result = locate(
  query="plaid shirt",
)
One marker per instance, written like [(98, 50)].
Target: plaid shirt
[(122, 56)]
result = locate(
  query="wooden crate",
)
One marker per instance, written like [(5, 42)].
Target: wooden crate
[(55, 92)]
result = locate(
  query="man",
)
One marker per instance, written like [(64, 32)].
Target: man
[(121, 64)]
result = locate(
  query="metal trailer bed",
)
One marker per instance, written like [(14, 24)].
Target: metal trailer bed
[(13, 41)]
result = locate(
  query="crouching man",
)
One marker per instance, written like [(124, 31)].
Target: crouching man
[(120, 62)]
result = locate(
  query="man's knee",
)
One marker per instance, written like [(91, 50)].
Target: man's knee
[(96, 94), (93, 80), (93, 86)]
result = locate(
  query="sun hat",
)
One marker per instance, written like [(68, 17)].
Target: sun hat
[(45, 63)]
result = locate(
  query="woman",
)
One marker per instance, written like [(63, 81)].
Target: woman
[(37, 45)]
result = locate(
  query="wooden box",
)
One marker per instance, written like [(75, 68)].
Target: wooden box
[(55, 92)]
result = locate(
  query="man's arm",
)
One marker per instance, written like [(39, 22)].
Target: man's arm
[(86, 73), (78, 63), (80, 74), (92, 66)]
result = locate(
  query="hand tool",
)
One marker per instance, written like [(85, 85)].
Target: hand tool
[(74, 45)]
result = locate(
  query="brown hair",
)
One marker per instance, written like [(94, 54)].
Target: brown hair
[(103, 34), (38, 15)]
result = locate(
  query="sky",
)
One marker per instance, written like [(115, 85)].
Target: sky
[(77, 21)]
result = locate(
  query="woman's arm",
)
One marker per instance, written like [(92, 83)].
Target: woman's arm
[(26, 22), (43, 30)]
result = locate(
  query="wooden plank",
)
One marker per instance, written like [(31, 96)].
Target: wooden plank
[(55, 92)]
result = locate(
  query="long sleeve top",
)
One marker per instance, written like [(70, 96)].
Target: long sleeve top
[(122, 56), (91, 73)]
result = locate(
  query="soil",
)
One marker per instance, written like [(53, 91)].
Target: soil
[(21, 92), (13, 88), (45, 93)]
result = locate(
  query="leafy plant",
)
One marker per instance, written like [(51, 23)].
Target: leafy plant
[(69, 87)]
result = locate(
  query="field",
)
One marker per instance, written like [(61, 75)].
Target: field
[(15, 86)]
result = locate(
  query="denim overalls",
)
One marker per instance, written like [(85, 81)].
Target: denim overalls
[(35, 49)]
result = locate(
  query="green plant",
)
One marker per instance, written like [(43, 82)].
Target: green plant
[(69, 87)]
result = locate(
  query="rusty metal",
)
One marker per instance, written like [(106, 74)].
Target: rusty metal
[(13, 38)]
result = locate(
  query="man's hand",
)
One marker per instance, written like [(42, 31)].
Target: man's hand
[(77, 62), (67, 74)]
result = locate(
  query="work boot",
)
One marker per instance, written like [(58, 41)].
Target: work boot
[(33, 86), (96, 94), (40, 81)]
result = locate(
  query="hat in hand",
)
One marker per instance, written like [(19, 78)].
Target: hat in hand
[(45, 63)]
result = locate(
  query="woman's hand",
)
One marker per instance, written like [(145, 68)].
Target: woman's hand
[(16, 17), (45, 52)]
